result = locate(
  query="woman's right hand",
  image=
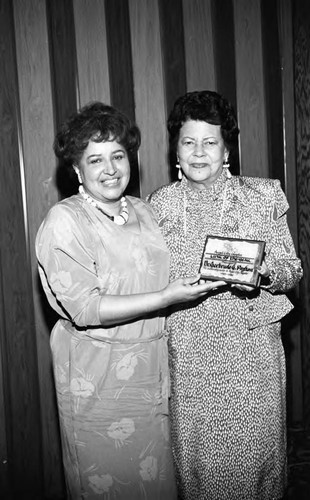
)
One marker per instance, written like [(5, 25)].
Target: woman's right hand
[(188, 289), (116, 309)]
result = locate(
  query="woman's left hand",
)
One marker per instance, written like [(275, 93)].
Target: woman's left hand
[(263, 271)]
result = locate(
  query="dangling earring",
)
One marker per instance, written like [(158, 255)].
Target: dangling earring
[(78, 174), (226, 166), (180, 173)]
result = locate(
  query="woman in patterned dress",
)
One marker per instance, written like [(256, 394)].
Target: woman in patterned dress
[(225, 352), (104, 267)]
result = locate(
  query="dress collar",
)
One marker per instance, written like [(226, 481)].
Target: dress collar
[(213, 192)]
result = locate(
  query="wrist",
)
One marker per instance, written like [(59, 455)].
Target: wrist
[(268, 280), (165, 299)]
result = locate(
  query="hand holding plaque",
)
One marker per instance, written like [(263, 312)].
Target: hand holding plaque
[(233, 260)]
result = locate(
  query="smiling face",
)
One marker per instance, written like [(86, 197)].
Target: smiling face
[(104, 169), (201, 152)]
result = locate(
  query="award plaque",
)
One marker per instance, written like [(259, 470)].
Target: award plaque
[(232, 260)]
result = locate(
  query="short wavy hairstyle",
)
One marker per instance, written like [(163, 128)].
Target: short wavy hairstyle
[(203, 105), (97, 122)]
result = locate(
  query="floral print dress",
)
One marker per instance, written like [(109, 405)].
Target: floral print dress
[(111, 382)]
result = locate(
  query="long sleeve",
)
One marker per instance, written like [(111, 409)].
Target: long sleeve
[(67, 267), (285, 267)]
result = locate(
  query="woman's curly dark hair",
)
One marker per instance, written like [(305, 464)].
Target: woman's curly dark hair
[(97, 122), (208, 106)]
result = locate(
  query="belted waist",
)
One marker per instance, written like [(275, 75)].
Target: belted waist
[(91, 334)]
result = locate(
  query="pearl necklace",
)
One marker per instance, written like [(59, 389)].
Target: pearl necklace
[(120, 219)]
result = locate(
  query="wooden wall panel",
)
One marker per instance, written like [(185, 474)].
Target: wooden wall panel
[(172, 43), (37, 123), (138, 55), (62, 58), (224, 48), (4, 398), (289, 144), (225, 60), (61, 37), (292, 337), (18, 345), (302, 110), (273, 89), (120, 57), (121, 72), (149, 93), (251, 103), (199, 45), (91, 47)]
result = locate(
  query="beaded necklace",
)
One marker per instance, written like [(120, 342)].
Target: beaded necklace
[(224, 203), (120, 219)]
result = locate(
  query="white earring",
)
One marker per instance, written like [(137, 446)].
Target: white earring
[(78, 175), (180, 173), (226, 166)]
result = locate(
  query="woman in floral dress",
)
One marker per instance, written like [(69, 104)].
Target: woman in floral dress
[(104, 267), (226, 356)]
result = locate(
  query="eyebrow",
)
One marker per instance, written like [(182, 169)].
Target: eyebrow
[(100, 154), (207, 137)]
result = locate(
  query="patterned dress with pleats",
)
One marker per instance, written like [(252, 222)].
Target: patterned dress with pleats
[(226, 357)]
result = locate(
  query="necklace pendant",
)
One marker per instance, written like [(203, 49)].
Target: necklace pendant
[(120, 219)]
